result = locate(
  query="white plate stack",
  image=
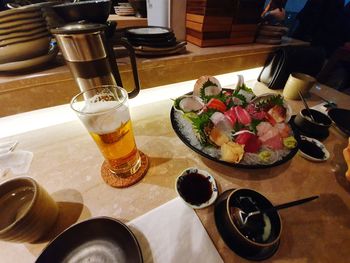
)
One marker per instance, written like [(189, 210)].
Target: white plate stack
[(24, 38), (124, 9)]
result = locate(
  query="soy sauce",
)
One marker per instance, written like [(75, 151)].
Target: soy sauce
[(195, 188), (311, 149)]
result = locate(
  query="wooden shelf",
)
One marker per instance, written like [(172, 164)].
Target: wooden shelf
[(128, 21)]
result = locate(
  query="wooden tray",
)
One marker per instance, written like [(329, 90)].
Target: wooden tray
[(208, 27), (208, 35), (207, 42)]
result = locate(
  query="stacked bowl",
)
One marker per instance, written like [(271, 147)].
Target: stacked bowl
[(24, 37)]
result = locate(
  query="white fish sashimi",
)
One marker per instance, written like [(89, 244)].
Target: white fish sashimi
[(217, 117), (212, 89), (191, 103)]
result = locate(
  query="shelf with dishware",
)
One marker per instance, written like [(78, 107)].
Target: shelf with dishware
[(20, 91), (128, 21)]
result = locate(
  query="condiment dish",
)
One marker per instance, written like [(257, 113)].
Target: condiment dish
[(196, 187), (310, 148)]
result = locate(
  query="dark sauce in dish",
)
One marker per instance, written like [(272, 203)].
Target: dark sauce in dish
[(195, 188), (311, 149)]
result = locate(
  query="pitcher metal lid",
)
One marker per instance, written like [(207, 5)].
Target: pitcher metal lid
[(78, 28)]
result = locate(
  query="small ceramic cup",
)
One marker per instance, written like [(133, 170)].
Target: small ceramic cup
[(27, 211), (298, 82)]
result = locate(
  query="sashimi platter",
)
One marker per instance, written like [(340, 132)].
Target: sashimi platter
[(234, 126)]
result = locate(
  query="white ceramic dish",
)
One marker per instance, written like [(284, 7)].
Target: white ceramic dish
[(320, 145), (211, 180)]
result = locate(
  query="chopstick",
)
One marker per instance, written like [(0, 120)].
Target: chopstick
[(306, 106)]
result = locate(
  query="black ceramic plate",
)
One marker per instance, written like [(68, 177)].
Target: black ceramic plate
[(186, 141), (152, 39), (99, 239), (341, 118), (148, 31), (219, 210), (151, 43)]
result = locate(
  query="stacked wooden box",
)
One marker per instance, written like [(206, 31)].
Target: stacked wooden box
[(225, 22)]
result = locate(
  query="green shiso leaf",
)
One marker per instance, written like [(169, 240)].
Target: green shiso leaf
[(270, 101), (241, 98), (253, 125), (199, 123), (246, 88), (177, 102), (205, 98)]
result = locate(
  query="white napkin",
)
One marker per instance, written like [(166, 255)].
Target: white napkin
[(18, 162), (173, 233), (7, 147)]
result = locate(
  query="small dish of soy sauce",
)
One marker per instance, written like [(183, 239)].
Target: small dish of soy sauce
[(196, 187), (312, 149)]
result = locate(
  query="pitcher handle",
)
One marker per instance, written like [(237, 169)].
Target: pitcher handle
[(126, 44)]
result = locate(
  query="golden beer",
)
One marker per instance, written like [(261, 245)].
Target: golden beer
[(119, 149), (104, 111)]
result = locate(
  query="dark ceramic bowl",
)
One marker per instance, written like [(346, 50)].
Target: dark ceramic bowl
[(341, 118), (99, 239), (90, 11), (240, 237), (319, 128)]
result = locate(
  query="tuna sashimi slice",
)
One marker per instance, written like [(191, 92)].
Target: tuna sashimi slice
[(275, 143), (242, 115), (263, 128)]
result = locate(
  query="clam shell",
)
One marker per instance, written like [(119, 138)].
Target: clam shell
[(240, 81), (211, 90), (189, 103)]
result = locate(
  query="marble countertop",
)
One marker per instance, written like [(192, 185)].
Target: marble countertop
[(68, 165)]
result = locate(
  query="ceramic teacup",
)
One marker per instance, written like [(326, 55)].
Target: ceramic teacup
[(27, 211), (298, 82)]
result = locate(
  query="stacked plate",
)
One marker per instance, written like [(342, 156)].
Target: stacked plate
[(124, 9), (24, 37), (271, 34), (154, 41)]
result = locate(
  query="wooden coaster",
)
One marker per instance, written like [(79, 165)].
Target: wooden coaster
[(121, 182)]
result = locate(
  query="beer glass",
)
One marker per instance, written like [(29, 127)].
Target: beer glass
[(104, 111)]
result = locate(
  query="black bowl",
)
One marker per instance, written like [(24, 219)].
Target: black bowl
[(341, 118), (261, 202), (318, 128), (90, 11), (100, 239)]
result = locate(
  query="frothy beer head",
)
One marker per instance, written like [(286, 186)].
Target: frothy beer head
[(104, 117)]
